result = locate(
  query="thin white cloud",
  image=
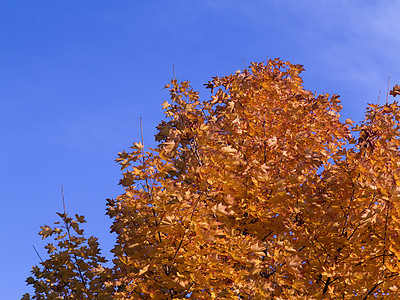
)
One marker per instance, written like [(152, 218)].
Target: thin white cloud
[(357, 40)]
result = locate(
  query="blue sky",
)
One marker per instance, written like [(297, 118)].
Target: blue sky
[(76, 76)]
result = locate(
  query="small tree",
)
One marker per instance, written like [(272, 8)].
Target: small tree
[(259, 192), (75, 267)]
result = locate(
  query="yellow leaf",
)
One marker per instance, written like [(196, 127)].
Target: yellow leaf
[(228, 150), (393, 248), (143, 270)]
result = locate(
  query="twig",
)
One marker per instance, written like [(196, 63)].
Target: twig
[(141, 134), (265, 141), (68, 227), (62, 279), (386, 224), (168, 268), (379, 96), (138, 294), (173, 69), (387, 93), (372, 290), (62, 195), (187, 291), (37, 253)]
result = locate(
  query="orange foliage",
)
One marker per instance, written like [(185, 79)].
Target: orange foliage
[(259, 192)]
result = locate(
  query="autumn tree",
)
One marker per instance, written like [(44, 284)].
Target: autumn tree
[(259, 192), (75, 268)]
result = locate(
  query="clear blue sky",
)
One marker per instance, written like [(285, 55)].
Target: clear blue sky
[(76, 76)]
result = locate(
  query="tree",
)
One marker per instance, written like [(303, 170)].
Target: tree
[(259, 192), (75, 268)]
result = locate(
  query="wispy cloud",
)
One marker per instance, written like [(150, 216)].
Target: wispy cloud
[(361, 40), (357, 40)]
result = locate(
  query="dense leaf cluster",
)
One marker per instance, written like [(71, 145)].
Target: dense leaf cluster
[(259, 192)]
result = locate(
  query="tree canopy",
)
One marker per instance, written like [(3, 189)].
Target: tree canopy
[(258, 192)]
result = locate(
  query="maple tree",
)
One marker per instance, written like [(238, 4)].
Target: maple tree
[(259, 192), (75, 269)]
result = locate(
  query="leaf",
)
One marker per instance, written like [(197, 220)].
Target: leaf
[(228, 150), (80, 219), (168, 146), (46, 231), (50, 248), (143, 270), (395, 250), (395, 91), (221, 209), (138, 146), (165, 105), (98, 270), (272, 141)]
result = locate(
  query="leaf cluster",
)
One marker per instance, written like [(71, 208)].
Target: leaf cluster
[(75, 268), (259, 192)]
